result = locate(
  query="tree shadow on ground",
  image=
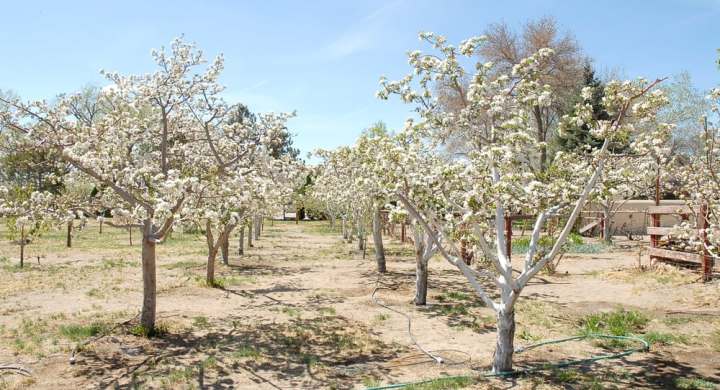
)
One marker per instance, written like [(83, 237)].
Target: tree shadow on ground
[(320, 352), (649, 370)]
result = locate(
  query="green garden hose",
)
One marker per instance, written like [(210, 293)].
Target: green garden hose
[(564, 363)]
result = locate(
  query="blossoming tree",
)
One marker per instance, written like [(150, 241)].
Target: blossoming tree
[(157, 137), (500, 175)]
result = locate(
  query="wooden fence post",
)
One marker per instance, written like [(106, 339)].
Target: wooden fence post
[(707, 261)]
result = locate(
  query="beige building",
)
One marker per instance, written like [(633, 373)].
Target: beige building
[(629, 216)]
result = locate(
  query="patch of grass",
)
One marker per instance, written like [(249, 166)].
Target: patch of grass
[(182, 265), (246, 351), (78, 333), (525, 335), (327, 311), (291, 311), (160, 330), (452, 310), (694, 384), (95, 293), (201, 322), (715, 340), (381, 317), (119, 263), (616, 323), (234, 280), (178, 376), (566, 376), (442, 384), (453, 295), (664, 338)]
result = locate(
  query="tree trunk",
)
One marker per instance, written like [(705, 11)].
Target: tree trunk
[(147, 317), (101, 223), (344, 230), (503, 358), (130, 235), (258, 227), (225, 249), (607, 225), (421, 269), (250, 234), (68, 239), (421, 281), (241, 241), (22, 246), (377, 240), (210, 275)]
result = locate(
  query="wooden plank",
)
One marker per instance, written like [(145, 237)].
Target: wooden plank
[(675, 255), (589, 226), (675, 209), (659, 231)]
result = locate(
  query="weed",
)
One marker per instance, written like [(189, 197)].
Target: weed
[(693, 384), (327, 311), (664, 338), (616, 323), (159, 330), (78, 333), (246, 351), (291, 311), (201, 322), (442, 384)]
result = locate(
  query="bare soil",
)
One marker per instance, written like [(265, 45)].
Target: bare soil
[(296, 312)]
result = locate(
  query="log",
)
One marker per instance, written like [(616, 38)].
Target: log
[(675, 255)]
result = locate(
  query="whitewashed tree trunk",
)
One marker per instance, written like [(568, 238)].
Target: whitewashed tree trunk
[(504, 346), (378, 242), (424, 250)]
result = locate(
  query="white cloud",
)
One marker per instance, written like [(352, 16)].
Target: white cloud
[(361, 36)]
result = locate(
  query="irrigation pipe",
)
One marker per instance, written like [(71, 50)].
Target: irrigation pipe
[(564, 363), (436, 358)]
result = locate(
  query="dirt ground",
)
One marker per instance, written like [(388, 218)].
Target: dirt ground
[(296, 312)]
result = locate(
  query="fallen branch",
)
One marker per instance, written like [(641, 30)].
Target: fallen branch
[(17, 369)]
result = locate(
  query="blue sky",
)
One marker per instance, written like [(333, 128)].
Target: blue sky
[(324, 58)]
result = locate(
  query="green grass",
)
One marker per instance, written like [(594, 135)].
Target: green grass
[(160, 330), (660, 338), (78, 333), (246, 351), (616, 323), (201, 322), (694, 384), (442, 384)]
